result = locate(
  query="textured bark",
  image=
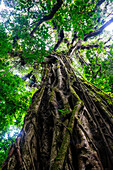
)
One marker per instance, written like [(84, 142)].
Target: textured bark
[(69, 124)]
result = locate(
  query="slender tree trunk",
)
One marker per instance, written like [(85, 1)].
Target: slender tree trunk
[(69, 125)]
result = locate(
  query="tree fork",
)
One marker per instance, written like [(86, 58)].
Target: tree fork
[(69, 124)]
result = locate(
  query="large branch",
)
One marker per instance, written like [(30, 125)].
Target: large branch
[(59, 40), (74, 38), (92, 45), (88, 46), (94, 77), (78, 46), (48, 17), (97, 32)]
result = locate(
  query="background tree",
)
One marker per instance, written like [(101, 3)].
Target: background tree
[(69, 122)]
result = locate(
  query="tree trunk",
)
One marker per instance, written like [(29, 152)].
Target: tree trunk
[(69, 125)]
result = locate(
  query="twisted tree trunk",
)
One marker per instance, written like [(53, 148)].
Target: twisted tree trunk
[(69, 124)]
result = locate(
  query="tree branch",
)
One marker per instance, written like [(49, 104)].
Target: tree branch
[(81, 59), (48, 17), (74, 38), (94, 77), (59, 40), (88, 46), (67, 42), (97, 32), (92, 45)]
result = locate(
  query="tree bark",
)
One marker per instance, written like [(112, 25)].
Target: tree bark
[(69, 125)]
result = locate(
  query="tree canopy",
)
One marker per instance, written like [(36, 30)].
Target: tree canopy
[(31, 30)]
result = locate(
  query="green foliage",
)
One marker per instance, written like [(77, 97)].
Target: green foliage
[(4, 44), (100, 69), (64, 111), (14, 103)]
